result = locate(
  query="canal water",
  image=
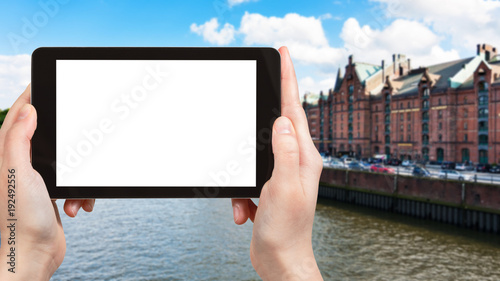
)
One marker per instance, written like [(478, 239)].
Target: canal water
[(196, 239)]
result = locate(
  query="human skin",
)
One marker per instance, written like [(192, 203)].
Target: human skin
[(281, 246), (39, 237)]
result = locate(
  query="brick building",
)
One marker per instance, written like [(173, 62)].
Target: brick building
[(444, 112)]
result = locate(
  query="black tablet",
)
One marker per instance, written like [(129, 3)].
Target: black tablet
[(154, 122)]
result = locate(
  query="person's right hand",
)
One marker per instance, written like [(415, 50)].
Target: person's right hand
[(281, 247)]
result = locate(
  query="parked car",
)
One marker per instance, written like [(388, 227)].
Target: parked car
[(394, 162), (337, 164), (407, 163), (454, 175), (366, 165), (420, 172), (355, 166), (464, 167), (495, 169), (448, 165), (483, 168), (348, 161), (381, 169)]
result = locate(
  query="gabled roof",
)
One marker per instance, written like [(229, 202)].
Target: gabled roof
[(365, 70), (442, 72), (338, 81)]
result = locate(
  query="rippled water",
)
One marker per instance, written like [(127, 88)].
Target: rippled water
[(196, 239)]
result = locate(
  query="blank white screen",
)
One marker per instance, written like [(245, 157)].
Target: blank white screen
[(156, 123)]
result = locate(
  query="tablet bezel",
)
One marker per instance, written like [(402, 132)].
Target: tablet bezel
[(43, 98)]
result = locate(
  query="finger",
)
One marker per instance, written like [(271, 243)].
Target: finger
[(71, 206), (18, 137), (240, 210), (286, 154), (291, 108), (88, 205), (13, 111), (252, 208)]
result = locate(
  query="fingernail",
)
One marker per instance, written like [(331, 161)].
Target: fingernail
[(24, 112), (236, 212), (283, 126)]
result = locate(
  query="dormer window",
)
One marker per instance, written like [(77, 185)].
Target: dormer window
[(482, 86)]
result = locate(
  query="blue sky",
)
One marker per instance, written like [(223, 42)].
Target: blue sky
[(320, 34)]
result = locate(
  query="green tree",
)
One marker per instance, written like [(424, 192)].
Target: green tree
[(3, 113)]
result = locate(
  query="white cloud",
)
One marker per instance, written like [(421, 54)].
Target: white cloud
[(232, 3), (408, 37), (209, 31), (325, 16), (467, 22), (304, 36), (14, 77), (309, 84)]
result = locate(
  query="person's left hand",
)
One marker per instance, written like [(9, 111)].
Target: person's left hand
[(40, 245)]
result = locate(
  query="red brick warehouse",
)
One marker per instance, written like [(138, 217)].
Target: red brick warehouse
[(444, 112)]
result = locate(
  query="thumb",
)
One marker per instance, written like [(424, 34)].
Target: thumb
[(17, 140), (286, 152)]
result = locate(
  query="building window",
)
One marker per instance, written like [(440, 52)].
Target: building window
[(401, 138), (465, 125), (342, 126), (465, 137), (351, 89), (387, 118), (376, 108), (483, 113), (425, 139), (483, 139), (402, 128), (426, 92), (425, 116), (335, 126), (408, 116), (440, 126), (358, 134), (425, 127), (387, 128), (440, 138), (440, 114), (466, 113), (376, 137), (376, 118), (409, 105), (483, 100), (483, 86), (465, 100), (409, 138), (400, 105), (387, 139), (409, 127), (358, 125), (439, 101), (341, 117), (376, 128), (401, 117), (359, 116), (425, 104)]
